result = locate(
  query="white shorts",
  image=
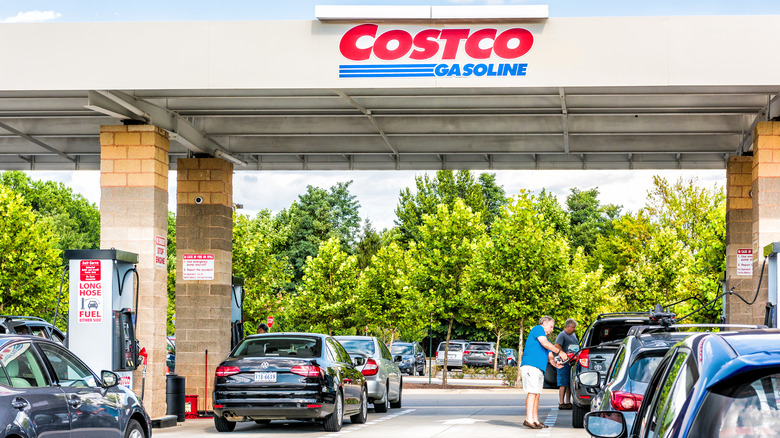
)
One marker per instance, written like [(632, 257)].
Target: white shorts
[(533, 379)]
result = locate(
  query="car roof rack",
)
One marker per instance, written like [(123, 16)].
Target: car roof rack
[(641, 329), (616, 314), (26, 318)]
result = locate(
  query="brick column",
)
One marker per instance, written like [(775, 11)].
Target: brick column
[(204, 225), (766, 206), (739, 233), (133, 210)]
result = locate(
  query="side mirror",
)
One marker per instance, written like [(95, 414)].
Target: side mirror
[(109, 378), (573, 348), (590, 378), (398, 359), (605, 424)]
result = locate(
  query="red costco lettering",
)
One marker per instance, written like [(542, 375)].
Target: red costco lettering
[(360, 42)]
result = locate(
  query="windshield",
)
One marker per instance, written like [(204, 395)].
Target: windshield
[(745, 409), (272, 346), (359, 346), (401, 349), (478, 347)]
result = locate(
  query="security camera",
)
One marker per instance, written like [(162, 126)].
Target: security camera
[(199, 200)]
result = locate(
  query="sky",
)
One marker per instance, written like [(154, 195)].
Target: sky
[(377, 192)]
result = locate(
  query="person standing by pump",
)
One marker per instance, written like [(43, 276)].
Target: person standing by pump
[(537, 353), (562, 342), (262, 328)]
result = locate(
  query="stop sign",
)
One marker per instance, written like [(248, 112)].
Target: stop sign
[(270, 321)]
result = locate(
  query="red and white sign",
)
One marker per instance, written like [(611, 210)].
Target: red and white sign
[(270, 321), (197, 266), (362, 41), (745, 262), (90, 304), (160, 251)]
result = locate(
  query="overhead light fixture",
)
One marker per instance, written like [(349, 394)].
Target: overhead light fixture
[(219, 153)]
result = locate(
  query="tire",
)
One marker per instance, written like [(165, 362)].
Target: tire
[(577, 416), (384, 405), (551, 377), (224, 425), (134, 430), (397, 403), (334, 421), (361, 416)]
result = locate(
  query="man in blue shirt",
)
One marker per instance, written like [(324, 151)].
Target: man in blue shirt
[(537, 353)]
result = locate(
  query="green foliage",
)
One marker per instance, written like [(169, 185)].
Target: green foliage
[(29, 260), (256, 258), (327, 295), (589, 219), (75, 221), (171, 283), (369, 244)]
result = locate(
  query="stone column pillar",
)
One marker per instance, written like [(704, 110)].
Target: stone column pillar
[(766, 206), (739, 233), (133, 210), (204, 229)]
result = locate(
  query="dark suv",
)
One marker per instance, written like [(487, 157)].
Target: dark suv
[(597, 348), (30, 325)]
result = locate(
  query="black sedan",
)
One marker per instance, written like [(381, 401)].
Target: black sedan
[(46, 391), (283, 376)]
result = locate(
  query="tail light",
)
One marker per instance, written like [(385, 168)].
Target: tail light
[(371, 368), (625, 401), (490, 353), (307, 371), (584, 358), (466, 352), (226, 371)]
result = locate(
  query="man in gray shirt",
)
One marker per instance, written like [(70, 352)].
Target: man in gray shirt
[(562, 342)]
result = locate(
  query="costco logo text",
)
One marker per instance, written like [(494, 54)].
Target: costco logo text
[(361, 42)]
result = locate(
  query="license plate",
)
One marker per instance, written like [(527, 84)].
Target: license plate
[(452, 356), (269, 377)]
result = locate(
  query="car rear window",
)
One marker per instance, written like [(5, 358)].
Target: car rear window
[(643, 368), (478, 347), (361, 346), (402, 349), (453, 347), (282, 346), (608, 333)]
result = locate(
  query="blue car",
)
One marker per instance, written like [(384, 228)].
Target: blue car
[(709, 385)]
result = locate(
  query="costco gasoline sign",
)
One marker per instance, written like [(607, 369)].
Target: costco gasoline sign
[(397, 53)]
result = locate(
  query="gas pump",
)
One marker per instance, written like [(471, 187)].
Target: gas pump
[(771, 252), (236, 312), (101, 318)]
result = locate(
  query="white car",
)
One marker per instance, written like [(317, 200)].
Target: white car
[(455, 357)]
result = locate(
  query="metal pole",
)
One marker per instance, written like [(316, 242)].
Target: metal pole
[(430, 351)]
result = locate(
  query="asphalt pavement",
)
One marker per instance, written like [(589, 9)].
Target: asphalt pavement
[(473, 413)]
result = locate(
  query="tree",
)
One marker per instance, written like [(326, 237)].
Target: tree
[(519, 272), (445, 188), (369, 244), (589, 219), (327, 295), (494, 196), (388, 299), (256, 257), (446, 245), (75, 220), (171, 265), (29, 259)]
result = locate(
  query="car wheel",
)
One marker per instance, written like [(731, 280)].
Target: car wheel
[(134, 430), (361, 416), (577, 416), (383, 405), (397, 403), (223, 424), (333, 421)]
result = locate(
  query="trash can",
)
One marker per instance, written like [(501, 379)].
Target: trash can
[(174, 396), (191, 406)]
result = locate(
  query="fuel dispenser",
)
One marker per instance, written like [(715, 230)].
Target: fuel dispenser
[(101, 319), (771, 252), (236, 312)]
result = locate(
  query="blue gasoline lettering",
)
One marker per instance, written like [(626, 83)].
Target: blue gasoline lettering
[(480, 70)]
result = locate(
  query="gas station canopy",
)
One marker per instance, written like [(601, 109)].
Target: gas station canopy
[(557, 93)]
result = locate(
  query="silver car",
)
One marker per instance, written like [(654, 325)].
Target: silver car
[(373, 359)]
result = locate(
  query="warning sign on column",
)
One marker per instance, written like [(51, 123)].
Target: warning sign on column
[(90, 292), (160, 251), (745, 262), (197, 266)]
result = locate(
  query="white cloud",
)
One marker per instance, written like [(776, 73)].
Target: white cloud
[(33, 17)]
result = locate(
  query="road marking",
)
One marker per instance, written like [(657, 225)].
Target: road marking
[(361, 426), (552, 417), (461, 421)]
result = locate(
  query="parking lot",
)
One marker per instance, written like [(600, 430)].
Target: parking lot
[(494, 412)]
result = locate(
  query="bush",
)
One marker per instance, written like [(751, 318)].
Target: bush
[(510, 376)]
